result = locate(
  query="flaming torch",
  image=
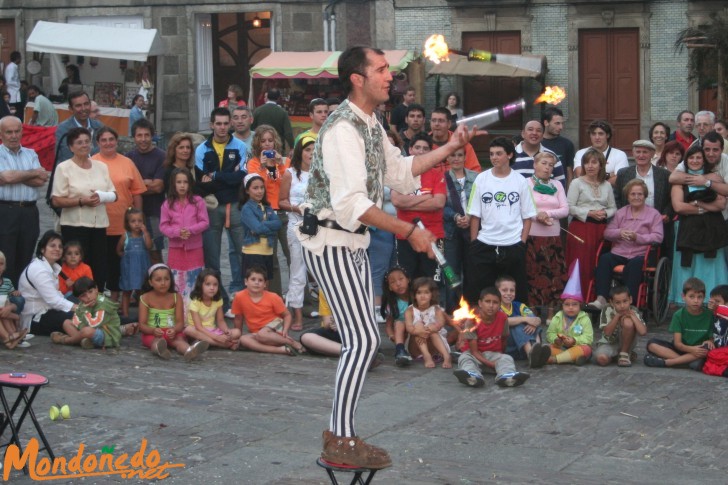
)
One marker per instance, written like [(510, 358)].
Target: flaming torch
[(437, 50), (491, 116), (551, 95), (464, 312)]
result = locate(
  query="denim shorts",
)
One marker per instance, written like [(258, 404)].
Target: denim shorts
[(98, 338)]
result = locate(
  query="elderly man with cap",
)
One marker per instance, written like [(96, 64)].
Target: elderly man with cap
[(656, 178)]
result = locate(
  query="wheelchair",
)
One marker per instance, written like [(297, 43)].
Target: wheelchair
[(652, 297)]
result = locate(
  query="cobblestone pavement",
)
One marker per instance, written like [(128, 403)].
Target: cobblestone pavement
[(257, 419)]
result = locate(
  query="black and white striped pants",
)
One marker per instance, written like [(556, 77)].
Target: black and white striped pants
[(345, 278)]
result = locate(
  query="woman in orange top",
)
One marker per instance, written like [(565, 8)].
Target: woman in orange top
[(270, 164)]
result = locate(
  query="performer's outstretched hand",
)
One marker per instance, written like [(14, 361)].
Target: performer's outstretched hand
[(462, 136)]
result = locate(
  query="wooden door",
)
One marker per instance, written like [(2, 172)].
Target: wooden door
[(609, 83), (229, 53), (482, 93), (7, 40)]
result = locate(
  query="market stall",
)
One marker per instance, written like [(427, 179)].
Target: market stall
[(137, 70), (303, 76)]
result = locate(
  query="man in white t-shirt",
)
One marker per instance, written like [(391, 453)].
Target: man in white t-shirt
[(501, 208), (600, 134)]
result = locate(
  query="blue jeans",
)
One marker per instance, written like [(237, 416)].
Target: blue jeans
[(455, 250), (517, 338), (236, 280), (381, 247), (18, 301), (212, 239)]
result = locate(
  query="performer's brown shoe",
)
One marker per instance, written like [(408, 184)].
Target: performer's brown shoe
[(353, 451)]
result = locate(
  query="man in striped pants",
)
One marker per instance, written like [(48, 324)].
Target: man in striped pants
[(353, 160)]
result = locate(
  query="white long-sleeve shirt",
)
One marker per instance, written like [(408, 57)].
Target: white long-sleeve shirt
[(39, 286)]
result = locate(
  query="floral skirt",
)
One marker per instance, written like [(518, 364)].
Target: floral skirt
[(546, 270)]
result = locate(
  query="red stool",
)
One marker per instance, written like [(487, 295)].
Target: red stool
[(22, 382)]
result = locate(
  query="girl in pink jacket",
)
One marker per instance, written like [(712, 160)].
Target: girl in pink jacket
[(183, 220)]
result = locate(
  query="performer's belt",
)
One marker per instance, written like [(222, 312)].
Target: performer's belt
[(334, 225), (18, 203)]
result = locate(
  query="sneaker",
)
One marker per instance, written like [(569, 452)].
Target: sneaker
[(539, 355), (596, 304), (469, 378), (652, 360), (229, 314), (378, 360), (194, 350), (378, 315), (353, 451), (29, 336), (86, 343), (512, 379), (402, 358), (159, 347), (314, 314), (23, 345)]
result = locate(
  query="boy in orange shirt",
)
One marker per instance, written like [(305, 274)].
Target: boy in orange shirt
[(73, 267), (266, 316)]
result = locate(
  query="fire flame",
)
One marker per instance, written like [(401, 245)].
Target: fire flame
[(464, 312), (551, 95), (436, 49)]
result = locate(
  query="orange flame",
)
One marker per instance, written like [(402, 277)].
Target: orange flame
[(551, 95), (436, 49), (464, 312)]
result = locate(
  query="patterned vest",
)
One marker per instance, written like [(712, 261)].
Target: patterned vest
[(319, 193)]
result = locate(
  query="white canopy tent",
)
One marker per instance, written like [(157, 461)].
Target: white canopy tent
[(99, 41), (95, 41)]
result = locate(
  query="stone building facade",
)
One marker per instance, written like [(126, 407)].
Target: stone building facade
[(553, 28)]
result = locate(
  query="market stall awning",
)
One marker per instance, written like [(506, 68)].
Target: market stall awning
[(460, 66), (317, 64), (94, 41)]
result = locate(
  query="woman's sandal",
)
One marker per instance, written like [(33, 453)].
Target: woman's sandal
[(293, 351), (297, 327), (59, 338), (624, 360), (130, 329), (14, 339)]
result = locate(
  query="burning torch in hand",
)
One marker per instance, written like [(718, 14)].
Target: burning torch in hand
[(452, 278)]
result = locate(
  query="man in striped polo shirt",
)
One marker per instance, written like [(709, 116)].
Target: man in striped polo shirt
[(20, 177)]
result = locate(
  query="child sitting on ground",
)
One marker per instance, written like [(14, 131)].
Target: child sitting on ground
[(73, 268), (205, 320), (161, 318), (718, 304), (716, 362), (266, 316), (11, 304), (425, 321), (524, 328), (620, 322), (570, 332), (395, 300), (325, 339), (692, 332), (96, 321), (484, 345)]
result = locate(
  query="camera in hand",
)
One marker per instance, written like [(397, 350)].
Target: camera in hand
[(269, 153)]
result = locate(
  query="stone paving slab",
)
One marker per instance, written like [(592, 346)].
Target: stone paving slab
[(257, 419)]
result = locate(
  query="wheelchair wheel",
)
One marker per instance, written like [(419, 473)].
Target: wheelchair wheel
[(661, 290)]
